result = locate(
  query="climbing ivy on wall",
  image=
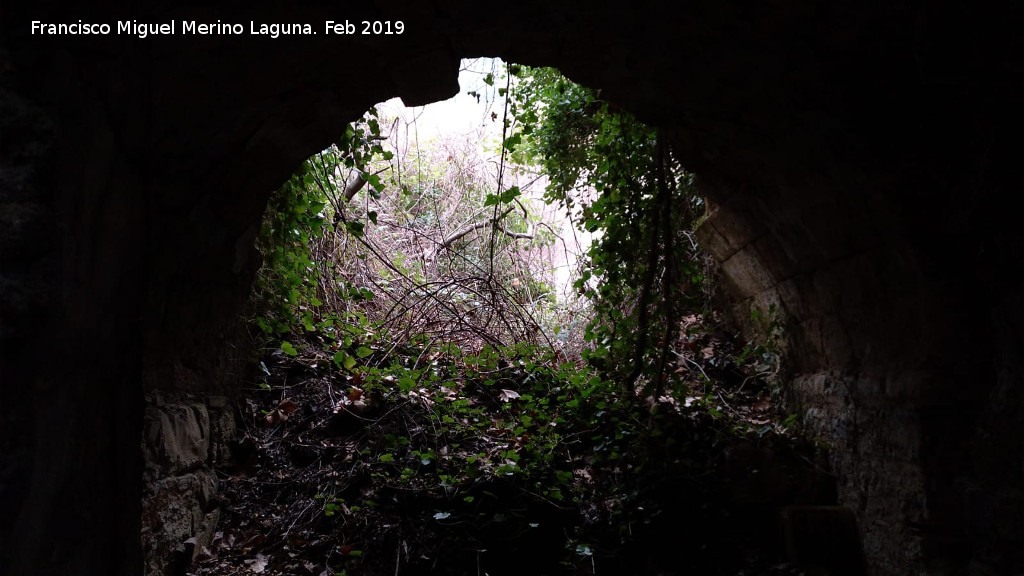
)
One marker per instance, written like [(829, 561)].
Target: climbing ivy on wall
[(619, 179), (297, 235), (286, 289)]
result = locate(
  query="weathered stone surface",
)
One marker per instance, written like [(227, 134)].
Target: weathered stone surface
[(176, 509), (177, 437), (184, 442)]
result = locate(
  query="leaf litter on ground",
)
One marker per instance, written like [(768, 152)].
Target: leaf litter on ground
[(335, 474)]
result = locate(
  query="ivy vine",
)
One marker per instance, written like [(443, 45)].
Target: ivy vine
[(618, 178)]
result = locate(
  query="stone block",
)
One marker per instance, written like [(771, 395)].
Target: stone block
[(176, 510), (713, 241), (177, 437), (747, 273), (737, 224), (781, 258)]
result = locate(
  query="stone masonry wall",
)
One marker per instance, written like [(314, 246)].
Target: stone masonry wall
[(184, 441)]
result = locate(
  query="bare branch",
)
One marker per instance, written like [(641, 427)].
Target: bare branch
[(528, 235), (460, 233), (353, 187)]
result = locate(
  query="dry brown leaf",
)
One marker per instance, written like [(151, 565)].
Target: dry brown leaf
[(276, 416), (507, 395)]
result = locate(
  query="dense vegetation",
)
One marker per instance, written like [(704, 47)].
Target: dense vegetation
[(437, 403)]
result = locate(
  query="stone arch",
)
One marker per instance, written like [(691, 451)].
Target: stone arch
[(859, 164)]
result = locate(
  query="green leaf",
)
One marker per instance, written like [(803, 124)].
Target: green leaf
[(363, 352), (288, 349), (355, 228), (512, 141), (264, 325), (373, 180), (510, 194)]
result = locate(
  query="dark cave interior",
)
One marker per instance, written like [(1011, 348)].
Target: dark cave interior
[(859, 163)]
